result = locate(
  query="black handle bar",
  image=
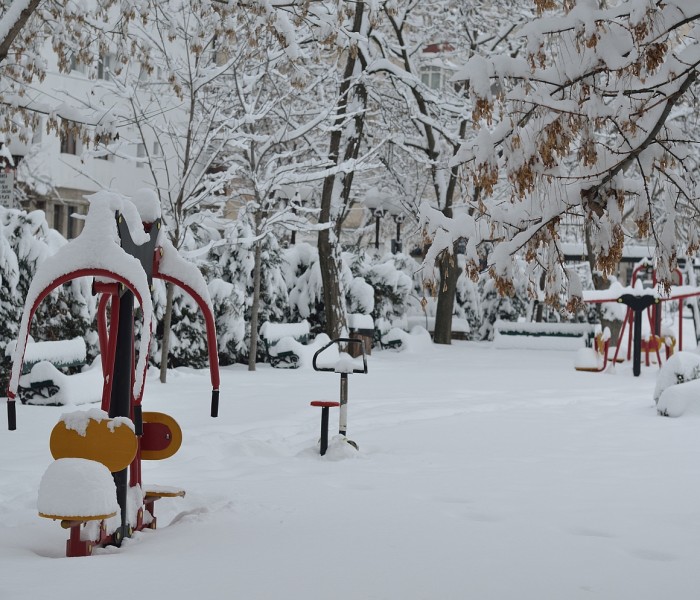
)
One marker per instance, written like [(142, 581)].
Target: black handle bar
[(342, 341)]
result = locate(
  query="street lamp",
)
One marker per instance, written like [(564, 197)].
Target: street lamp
[(378, 213), (297, 202), (396, 244)]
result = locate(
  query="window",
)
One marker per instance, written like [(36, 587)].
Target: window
[(433, 77), (75, 66), (157, 149), (106, 66), (71, 229), (58, 217), (156, 74), (69, 142)]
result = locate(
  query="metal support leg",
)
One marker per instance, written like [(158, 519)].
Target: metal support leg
[(75, 546), (324, 430)]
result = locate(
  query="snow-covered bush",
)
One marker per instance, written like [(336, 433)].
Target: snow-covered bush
[(69, 311), (10, 297), (679, 400), (188, 339), (233, 262), (230, 323), (389, 279), (505, 308), (379, 287), (417, 340), (682, 367), (302, 275), (467, 302)]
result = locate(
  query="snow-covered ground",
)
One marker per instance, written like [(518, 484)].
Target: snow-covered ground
[(482, 473)]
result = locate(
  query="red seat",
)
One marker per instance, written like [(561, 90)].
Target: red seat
[(324, 403)]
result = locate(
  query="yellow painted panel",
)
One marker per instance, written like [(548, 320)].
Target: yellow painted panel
[(115, 448)]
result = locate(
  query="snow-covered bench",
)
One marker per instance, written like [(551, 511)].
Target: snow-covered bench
[(66, 355), (277, 337), (543, 336), (460, 327), (361, 328)]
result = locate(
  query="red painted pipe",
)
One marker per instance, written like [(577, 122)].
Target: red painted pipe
[(102, 334), (65, 278), (108, 356), (212, 346)]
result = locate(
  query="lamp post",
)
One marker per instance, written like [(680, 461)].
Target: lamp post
[(396, 244), (378, 213)]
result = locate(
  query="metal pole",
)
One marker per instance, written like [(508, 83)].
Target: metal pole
[(376, 233), (324, 430), (637, 355), (120, 401), (343, 419), (293, 237)]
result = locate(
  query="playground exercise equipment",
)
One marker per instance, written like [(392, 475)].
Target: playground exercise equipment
[(601, 344), (639, 300), (345, 365), (123, 248)]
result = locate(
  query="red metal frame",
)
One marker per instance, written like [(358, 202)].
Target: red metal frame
[(65, 278), (212, 346), (629, 317), (653, 314)]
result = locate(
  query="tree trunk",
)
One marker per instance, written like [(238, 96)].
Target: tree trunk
[(329, 255), (333, 300), (600, 283), (255, 308), (449, 274), (167, 320)]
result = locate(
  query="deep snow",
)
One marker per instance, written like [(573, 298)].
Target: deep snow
[(482, 473)]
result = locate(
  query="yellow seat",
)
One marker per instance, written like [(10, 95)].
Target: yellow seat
[(68, 521)]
